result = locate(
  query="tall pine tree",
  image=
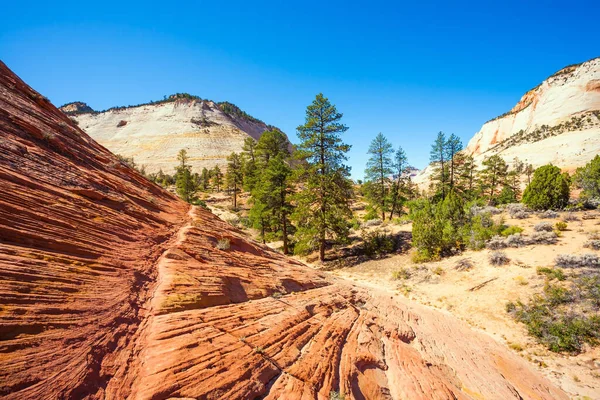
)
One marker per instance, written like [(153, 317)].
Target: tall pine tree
[(184, 181), (323, 207), (379, 169), (234, 176), (438, 156), (400, 169)]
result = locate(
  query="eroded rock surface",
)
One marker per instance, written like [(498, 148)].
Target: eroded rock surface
[(111, 288)]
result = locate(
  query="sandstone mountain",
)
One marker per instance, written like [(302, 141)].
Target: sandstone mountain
[(556, 122), (112, 288), (154, 133)]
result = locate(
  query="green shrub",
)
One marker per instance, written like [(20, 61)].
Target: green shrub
[(561, 226), (549, 189), (377, 243), (402, 273), (551, 273), (587, 178), (511, 230), (506, 196)]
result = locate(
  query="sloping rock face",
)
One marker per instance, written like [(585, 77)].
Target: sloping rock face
[(557, 122), (111, 288), (153, 134)]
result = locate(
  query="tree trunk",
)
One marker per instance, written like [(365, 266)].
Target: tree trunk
[(322, 249), (285, 238)]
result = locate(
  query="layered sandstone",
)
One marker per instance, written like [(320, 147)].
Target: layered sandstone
[(111, 288), (556, 122), (154, 133)]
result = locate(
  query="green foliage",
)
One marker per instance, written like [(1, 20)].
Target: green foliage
[(506, 196), (217, 178), (493, 176), (377, 243), (549, 189), (322, 204), (561, 226), (184, 182), (587, 179), (270, 144), (511, 230), (271, 206), (234, 176), (551, 273), (401, 188), (379, 168), (563, 317)]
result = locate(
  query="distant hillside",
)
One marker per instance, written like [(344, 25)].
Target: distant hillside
[(153, 133), (556, 122)]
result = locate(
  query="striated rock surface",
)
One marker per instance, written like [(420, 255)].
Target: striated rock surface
[(111, 288), (154, 133), (556, 122)]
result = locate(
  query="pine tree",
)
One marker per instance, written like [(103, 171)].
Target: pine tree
[(250, 167), (234, 176), (528, 171), (400, 169), (493, 175), (379, 168), (205, 179), (549, 189), (183, 178), (271, 198), (217, 178), (453, 147), (323, 203), (270, 144), (438, 156)]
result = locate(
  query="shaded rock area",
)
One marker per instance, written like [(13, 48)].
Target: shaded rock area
[(112, 288)]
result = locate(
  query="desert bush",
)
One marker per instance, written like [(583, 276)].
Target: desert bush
[(543, 227), (377, 243), (511, 230), (496, 243), (223, 244), (549, 189), (592, 244), (476, 210), (551, 273), (548, 214), (570, 217), (464, 264), (402, 273), (517, 210), (372, 222), (333, 395), (543, 238), (498, 258), (561, 226), (577, 261), (515, 240), (587, 178)]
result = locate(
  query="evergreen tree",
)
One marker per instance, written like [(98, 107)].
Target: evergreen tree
[(587, 179), (438, 156), (379, 168), (234, 175), (466, 176), (205, 179), (323, 206), (271, 198), (184, 181), (270, 144), (549, 189), (514, 179), (250, 168), (528, 171), (493, 176), (217, 178), (453, 147), (400, 168)]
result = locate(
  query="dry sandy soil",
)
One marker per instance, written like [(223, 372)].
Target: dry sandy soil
[(440, 286)]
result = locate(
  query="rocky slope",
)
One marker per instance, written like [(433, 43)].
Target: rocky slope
[(557, 122), (154, 133), (111, 288)]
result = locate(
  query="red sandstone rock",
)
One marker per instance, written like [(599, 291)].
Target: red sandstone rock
[(109, 288)]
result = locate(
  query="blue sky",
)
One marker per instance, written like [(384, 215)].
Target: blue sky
[(405, 69)]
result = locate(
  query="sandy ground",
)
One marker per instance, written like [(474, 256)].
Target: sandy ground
[(441, 286)]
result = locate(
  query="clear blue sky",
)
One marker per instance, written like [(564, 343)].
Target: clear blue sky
[(407, 69)]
